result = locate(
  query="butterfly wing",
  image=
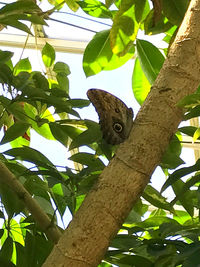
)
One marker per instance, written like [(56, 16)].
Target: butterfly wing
[(115, 118)]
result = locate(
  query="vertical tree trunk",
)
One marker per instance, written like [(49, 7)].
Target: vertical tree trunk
[(87, 238)]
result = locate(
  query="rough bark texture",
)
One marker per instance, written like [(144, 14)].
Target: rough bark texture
[(97, 221)]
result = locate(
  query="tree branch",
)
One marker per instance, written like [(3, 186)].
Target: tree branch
[(39, 215), (122, 182)]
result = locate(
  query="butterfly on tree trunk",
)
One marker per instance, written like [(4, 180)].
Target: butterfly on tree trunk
[(115, 118)]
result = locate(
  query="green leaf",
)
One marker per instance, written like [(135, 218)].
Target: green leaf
[(125, 242), (22, 65), (171, 158), (151, 59), (63, 81), (14, 108), (5, 56), (93, 134), (175, 10), (79, 103), (141, 10), (190, 101), (15, 24), (95, 8), (16, 130), (61, 67), (40, 81), (140, 84), (72, 4), (155, 198), (48, 55), (162, 25), (124, 30), (10, 200), (7, 249), (176, 175), (127, 260), (189, 130), (196, 134), (191, 182), (90, 160), (21, 6), (63, 132), (6, 75), (31, 155), (98, 55), (192, 113), (186, 199)]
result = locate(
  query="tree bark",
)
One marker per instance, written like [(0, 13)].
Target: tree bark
[(122, 182)]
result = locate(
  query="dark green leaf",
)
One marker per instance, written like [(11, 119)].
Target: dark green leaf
[(63, 81), (187, 199), (155, 198), (90, 160), (40, 81), (171, 158), (12, 203), (31, 155), (62, 133), (61, 67), (175, 10), (7, 249), (141, 10), (176, 175), (16, 130), (21, 6), (5, 56), (93, 134)]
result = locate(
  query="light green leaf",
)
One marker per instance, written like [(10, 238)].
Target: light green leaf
[(72, 4), (48, 55), (95, 8), (98, 55), (151, 59), (140, 84), (196, 135), (22, 65), (124, 30)]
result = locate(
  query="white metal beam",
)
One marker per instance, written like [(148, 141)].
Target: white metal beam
[(60, 45)]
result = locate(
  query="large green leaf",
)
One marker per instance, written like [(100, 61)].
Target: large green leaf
[(151, 59), (31, 155), (140, 84), (98, 55)]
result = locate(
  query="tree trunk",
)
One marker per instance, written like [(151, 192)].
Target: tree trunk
[(122, 182)]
